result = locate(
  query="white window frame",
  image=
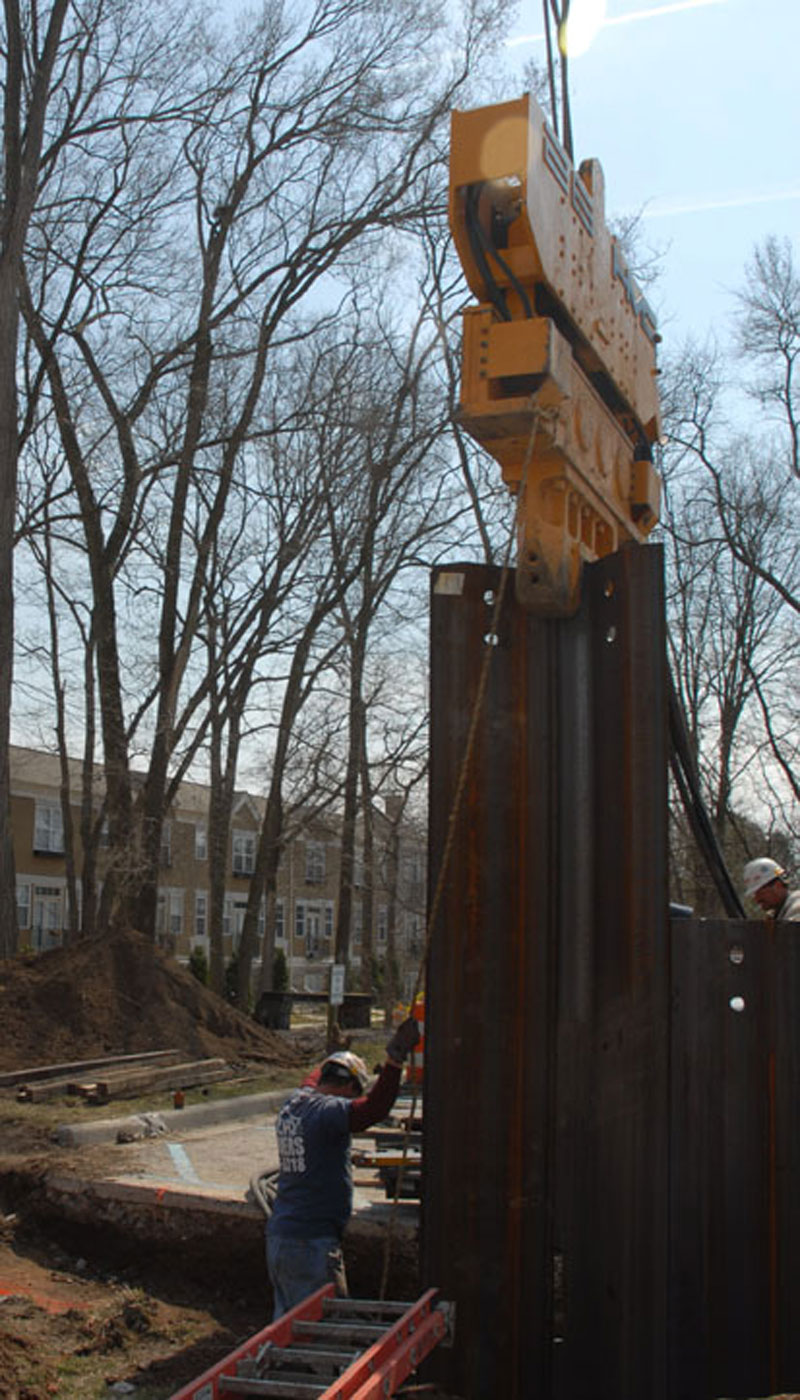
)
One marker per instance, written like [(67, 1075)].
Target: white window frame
[(234, 910), (169, 912), (48, 828), (243, 852), (280, 923), (46, 893), (316, 862), (382, 924), (314, 925), (201, 914), (24, 905), (200, 842)]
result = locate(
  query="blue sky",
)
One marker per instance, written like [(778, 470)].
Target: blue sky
[(691, 108)]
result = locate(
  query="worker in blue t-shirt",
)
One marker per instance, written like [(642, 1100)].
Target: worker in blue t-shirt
[(315, 1187)]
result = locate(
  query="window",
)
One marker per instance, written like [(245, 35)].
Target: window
[(383, 923), (413, 876), (48, 832), (244, 852), (280, 923), (311, 922), (414, 933), (200, 914), (200, 843), (234, 910), (169, 914), (46, 924), (358, 922), (24, 906), (315, 862), (165, 856), (329, 919)]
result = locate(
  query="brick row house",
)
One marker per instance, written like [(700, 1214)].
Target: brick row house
[(307, 880)]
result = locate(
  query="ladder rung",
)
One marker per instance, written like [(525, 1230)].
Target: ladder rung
[(307, 1356), (279, 1389), (349, 1307), (356, 1332)]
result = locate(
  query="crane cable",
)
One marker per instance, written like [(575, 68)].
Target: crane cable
[(560, 16), (455, 811)]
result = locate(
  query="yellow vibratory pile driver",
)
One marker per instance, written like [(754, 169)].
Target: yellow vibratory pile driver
[(559, 361)]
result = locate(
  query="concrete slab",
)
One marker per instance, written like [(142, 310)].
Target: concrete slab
[(196, 1163)]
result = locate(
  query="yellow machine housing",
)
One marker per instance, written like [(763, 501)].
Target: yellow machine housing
[(559, 361)]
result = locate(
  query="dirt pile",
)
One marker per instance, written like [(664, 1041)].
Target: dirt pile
[(116, 995)]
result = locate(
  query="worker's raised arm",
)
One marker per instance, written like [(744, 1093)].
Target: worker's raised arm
[(375, 1105)]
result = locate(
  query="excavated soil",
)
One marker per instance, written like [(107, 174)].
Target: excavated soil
[(87, 1312), (74, 1324), (120, 995)]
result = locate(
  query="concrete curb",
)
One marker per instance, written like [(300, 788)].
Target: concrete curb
[(137, 1126)]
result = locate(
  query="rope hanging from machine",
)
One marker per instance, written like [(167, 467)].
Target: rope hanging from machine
[(452, 822)]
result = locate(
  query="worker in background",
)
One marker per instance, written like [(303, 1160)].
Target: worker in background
[(766, 882), (314, 1196)]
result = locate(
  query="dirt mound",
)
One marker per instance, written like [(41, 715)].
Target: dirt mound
[(116, 995)]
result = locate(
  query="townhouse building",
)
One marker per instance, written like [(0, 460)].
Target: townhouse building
[(308, 877)]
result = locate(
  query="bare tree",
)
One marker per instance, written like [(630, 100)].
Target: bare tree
[(768, 338), (735, 569), (218, 188), (30, 53)]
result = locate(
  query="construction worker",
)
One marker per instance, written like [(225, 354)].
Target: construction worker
[(765, 882), (314, 1195)]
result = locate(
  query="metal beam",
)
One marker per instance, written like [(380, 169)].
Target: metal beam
[(545, 1156)]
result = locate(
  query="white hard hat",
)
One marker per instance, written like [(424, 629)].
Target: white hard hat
[(344, 1065), (761, 872)]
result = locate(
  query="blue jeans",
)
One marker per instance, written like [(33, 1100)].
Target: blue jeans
[(299, 1267)]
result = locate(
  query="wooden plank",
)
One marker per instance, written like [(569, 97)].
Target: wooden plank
[(180, 1076), (128, 1083), (34, 1074)]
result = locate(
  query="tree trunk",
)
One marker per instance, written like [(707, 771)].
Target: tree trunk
[(8, 486)]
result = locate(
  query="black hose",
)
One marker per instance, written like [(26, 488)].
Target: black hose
[(477, 243), (688, 785)]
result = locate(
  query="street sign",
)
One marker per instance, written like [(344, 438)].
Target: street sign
[(337, 984)]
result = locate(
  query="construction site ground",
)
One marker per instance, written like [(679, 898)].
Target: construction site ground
[(131, 1250), (130, 1267)]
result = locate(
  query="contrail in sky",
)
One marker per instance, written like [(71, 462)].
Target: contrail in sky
[(629, 18), (708, 206)]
